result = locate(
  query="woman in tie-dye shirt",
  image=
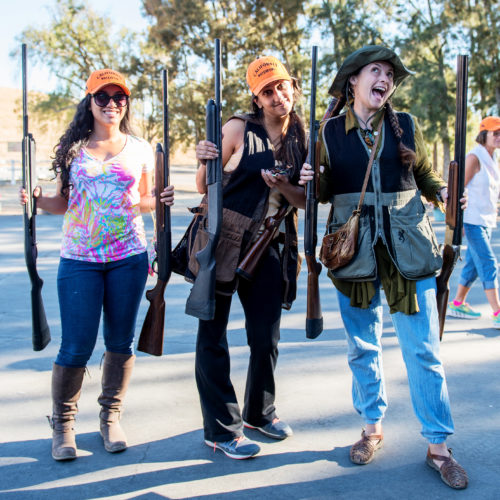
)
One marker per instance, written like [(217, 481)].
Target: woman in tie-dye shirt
[(104, 180)]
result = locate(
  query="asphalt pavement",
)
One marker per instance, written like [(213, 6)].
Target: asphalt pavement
[(167, 457)]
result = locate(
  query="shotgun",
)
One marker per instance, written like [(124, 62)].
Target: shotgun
[(248, 265), (314, 317), (151, 338), (454, 211), (40, 328), (201, 300)]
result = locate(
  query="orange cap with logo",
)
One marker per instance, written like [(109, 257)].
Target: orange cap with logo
[(490, 123), (102, 77), (265, 70)]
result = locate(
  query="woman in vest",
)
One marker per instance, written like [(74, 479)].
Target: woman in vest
[(397, 250), (262, 153), (482, 179)]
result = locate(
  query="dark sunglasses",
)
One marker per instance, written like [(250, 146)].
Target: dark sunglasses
[(102, 99)]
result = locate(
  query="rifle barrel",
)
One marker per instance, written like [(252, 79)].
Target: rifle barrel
[(201, 300), (310, 223), (460, 136), (314, 317), (40, 327)]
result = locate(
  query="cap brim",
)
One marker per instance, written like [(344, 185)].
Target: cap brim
[(267, 81), (123, 87), (361, 58)]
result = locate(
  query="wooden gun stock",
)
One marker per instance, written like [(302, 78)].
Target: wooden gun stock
[(314, 317), (450, 257), (151, 338), (249, 264), (452, 204)]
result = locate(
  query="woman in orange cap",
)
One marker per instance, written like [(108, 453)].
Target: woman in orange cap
[(482, 178), (261, 153), (104, 178)]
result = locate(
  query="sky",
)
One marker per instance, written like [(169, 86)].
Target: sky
[(19, 14)]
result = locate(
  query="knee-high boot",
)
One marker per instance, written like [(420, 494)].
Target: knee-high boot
[(116, 373), (66, 388)]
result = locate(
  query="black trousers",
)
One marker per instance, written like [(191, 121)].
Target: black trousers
[(261, 301)]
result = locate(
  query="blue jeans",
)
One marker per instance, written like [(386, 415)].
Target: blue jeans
[(479, 259), (87, 288), (418, 336)]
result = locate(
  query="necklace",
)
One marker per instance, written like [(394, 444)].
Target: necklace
[(368, 136)]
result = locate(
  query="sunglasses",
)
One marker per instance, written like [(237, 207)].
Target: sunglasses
[(496, 133), (102, 99)]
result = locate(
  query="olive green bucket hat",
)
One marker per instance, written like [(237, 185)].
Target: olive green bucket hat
[(363, 56)]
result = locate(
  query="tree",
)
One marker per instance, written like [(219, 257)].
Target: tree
[(481, 24), (344, 26), (76, 42), (426, 42), (185, 29)]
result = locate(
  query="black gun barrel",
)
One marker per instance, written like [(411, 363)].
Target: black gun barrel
[(40, 327), (460, 139), (310, 223), (201, 300)]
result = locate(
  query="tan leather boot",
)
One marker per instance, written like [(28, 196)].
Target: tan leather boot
[(66, 388), (116, 373)]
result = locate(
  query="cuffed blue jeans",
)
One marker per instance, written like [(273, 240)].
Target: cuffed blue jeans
[(87, 288), (418, 336), (480, 259)]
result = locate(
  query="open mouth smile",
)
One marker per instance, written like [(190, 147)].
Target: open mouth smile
[(379, 91)]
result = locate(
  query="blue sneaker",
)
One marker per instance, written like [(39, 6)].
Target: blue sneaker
[(462, 311), (496, 321), (239, 448), (275, 429)]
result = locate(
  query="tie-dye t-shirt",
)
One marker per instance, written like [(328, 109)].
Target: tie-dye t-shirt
[(103, 222)]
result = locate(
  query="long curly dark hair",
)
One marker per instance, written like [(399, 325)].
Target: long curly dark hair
[(406, 155), (292, 147), (76, 136)]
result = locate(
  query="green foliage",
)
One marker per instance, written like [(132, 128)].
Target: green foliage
[(428, 35), (76, 42), (185, 30)]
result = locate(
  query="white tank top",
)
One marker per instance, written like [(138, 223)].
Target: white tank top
[(483, 190)]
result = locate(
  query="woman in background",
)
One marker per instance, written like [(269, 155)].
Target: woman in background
[(482, 179)]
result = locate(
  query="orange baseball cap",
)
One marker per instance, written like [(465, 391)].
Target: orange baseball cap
[(490, 123), (102, 77), (265, 70)]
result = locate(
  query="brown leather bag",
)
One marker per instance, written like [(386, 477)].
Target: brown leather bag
[(338, 248)]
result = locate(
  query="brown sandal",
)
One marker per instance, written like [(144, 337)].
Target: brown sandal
[(452, 473), (363, 451)]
